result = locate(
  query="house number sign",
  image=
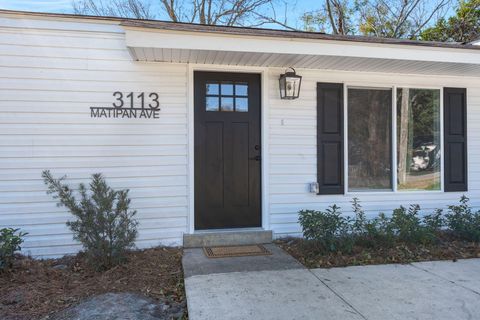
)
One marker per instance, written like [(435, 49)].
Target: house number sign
[(139, 105)]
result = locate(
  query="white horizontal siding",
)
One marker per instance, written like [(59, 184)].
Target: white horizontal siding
[(51, 73), (292, 146)]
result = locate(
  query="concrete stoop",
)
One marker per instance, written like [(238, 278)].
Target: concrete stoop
[(226, 238)]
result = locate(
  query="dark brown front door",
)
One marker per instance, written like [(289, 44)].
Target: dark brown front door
[(227, 150)]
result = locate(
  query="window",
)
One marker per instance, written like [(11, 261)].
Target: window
[(369, 139), (418, 139), (372, 148), (227, 96)]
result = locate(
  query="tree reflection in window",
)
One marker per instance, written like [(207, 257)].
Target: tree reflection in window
[(418, 139), (369, 139)]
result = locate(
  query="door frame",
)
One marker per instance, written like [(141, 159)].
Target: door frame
[(263, 72)]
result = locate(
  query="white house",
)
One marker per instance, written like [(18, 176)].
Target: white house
[(190, 119)]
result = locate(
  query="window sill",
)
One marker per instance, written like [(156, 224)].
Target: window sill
[(416, 192)]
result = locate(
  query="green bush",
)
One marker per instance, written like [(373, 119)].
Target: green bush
[(384, 230), (360, 222), (408, 227), (434, 222), (462, 222), (364, 231), (371, 232), (329, 228), (335, 232), (10, 242), (104, 223)]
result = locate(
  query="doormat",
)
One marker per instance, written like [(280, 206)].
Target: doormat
[(236, 251)]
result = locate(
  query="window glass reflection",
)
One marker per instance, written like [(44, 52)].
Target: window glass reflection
[(369, 139), (212, 104), (418, 139)]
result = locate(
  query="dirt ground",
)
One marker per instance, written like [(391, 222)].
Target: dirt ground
[(447, 249), (34, 289)]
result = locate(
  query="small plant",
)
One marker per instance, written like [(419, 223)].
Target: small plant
[(407, 226), (10, 242), (435, 221), (360, 221), (104, 223), (369, 232), (462, 222), (382, 231), (328, 228)]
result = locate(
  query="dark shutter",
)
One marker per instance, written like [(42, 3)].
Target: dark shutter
[(330, 138), (455, 137)]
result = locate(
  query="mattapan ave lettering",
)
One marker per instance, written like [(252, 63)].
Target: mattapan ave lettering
[(110, 112)]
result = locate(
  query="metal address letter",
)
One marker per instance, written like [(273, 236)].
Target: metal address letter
[(119, 98), (154, 100)]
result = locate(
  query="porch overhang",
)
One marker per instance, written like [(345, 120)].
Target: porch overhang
[(264, 50)]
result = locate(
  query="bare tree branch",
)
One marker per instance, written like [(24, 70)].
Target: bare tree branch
[(139, 9), (330, 16), (213, 12), (397, 18)]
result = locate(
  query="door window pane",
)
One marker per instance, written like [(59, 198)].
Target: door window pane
[(241, 104), (227, 89), (227, 104), (213, 88), (212, 104), (418, 139), (369, 139), (241, 89)]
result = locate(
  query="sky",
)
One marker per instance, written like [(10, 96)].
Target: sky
[(65, 6), (61, 6)]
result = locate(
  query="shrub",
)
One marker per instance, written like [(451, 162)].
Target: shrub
[(335, 232), (104, 224), (364, 231), (434, 222), (10, 242), (359, 227), (328, 228), (409, 228), (462, 222)]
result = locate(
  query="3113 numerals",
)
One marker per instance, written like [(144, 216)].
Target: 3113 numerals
[(151, 100)]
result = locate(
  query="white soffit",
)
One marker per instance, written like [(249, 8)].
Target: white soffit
[(204, 48)]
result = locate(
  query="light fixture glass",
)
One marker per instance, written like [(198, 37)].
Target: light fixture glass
[(290, 85)]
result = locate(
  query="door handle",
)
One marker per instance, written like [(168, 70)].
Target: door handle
[(256, 158)]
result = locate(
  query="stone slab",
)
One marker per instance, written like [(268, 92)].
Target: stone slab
[(465, 272), (120, 306), (226, 238), (401, 292), (196, 263), (285, 294)]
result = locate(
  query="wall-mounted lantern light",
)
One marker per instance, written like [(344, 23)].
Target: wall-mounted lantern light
[(289, 85)]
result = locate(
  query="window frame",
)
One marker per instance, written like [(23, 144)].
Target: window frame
[(394, 164)]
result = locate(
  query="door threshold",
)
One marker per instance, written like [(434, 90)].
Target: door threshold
[(228, 230)]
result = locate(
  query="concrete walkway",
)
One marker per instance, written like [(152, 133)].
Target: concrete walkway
[(245, 288)]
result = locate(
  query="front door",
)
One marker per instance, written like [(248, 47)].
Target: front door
[(227, 150)]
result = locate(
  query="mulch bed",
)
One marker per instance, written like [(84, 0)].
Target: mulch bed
[(36, 288), (446, 249)]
